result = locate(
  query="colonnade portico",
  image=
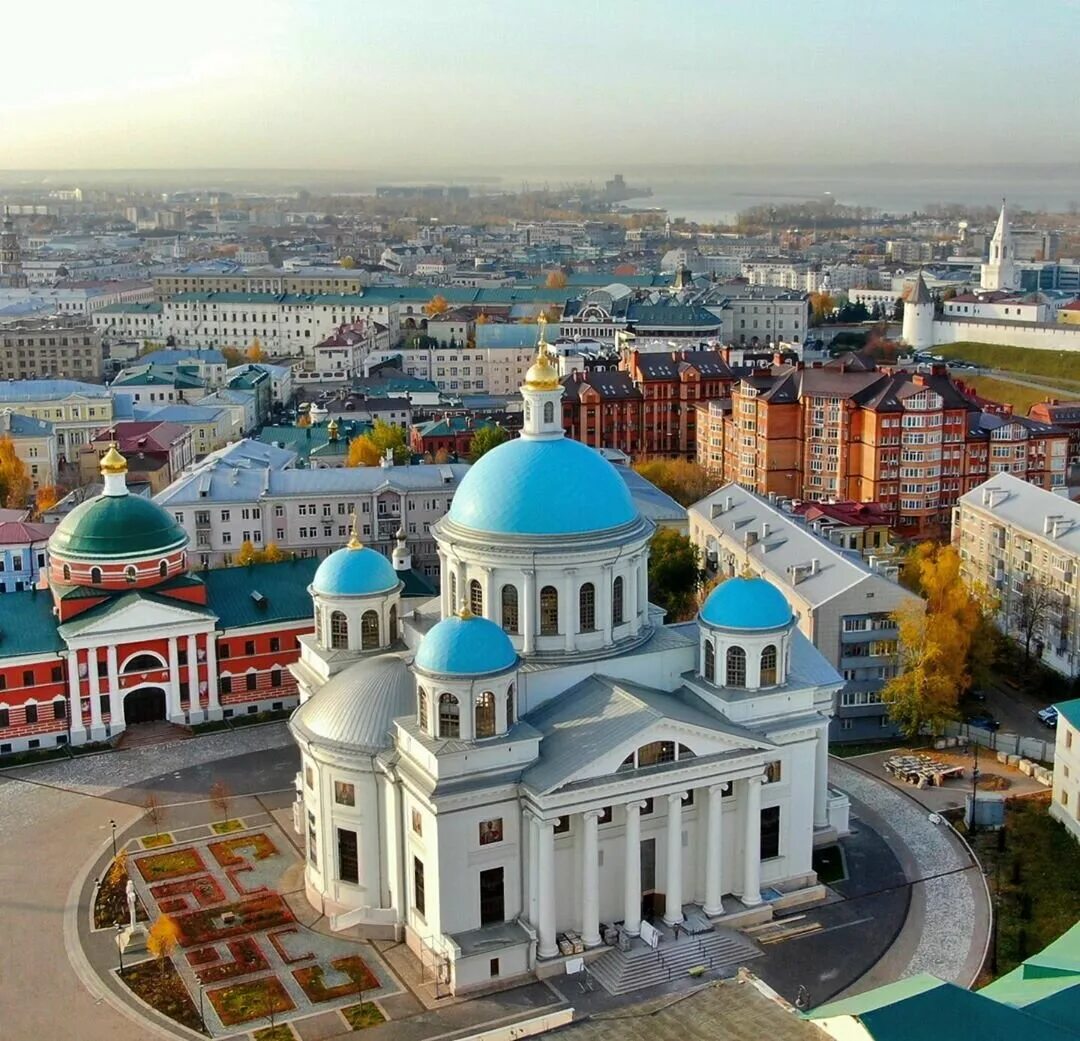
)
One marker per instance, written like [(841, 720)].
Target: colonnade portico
[(541, 893)]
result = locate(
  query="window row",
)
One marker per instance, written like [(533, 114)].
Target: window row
[(735, 666), (509, 604), (448, 709)]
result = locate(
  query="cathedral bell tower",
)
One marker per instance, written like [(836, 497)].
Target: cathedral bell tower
[(542, 393), (11, 272)]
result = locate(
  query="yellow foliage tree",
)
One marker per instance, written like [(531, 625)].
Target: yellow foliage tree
[(389, 435), (437, 305), (255, 352), (685, 481), (273, 554), (348, 263), (442, 456), (233, 356), (14, 478), (304, 421), (556, 279), (162, 940), (248, 554), (482, 319), (46, 497), (363, 452), (821, 306)]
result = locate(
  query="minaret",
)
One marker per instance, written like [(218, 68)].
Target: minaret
[(542, 393), (11, 272), (1000, 270)]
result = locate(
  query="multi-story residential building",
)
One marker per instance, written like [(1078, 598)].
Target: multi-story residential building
[(211, 426), (154, 384), (240, 404), (75, 410), (333, 280), (1065, 797), (1065, 415), (1021, 545), (604, 409), (24, 554), (156, 452), (137, 322), (753, 315), (34, 441), (843, 605), (50, 347)]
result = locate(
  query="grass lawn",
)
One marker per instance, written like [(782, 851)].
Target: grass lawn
[(1035, 877), (254, 999), (173, 864), (224, 827), (360, 976), (164, 991), (281, 1032), (365, 1015), (1021, 398), (1050, 365), (156, 841)]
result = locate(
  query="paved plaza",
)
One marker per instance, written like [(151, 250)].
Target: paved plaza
[(911, 900)]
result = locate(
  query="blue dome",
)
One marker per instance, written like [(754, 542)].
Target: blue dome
[(746, 603), (354, 572), (465, 647), (538, 487)]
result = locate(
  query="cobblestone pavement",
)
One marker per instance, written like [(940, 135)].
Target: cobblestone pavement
[(951, 918)]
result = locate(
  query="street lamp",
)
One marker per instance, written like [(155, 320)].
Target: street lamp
[(112, 824), (120, 947), (202, 1017)]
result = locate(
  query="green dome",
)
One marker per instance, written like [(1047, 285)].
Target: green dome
[(116, 527)]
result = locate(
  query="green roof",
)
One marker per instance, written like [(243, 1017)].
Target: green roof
[(879, 996), (27, 624), (118, 603), (1070, 710), (283, 587), (111, 526), (417, 584)]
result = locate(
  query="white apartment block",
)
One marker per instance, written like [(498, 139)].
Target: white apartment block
[(466, 370), (1065, 799), (1021, 544)]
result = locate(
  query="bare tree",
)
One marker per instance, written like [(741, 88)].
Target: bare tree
[(221, 798), (155, 811), (1030, 611)]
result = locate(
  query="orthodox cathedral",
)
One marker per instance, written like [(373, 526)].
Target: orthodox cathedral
[(532, 762)]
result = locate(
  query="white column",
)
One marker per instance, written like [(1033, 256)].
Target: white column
[(529, 614), (821, 779), (751, 888), (631, 599), (116, 695), (643, 592), (175, 713), (195, 713), (673, 898), (603, 602), (632, 858), (546, 881), (97, 727), (213, 705), (78, 731), (714, 851), (462, 585), (568, 616), (534, 867), (590, 879), (444, 586), (491, 609)]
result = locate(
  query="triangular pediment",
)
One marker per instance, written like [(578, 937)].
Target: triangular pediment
[(136, 614)]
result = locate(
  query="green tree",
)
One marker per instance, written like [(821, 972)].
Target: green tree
[(385, 435), (685, 481), (484, 440), (674, 574)]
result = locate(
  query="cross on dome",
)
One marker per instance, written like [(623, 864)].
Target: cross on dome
[(354, 534)]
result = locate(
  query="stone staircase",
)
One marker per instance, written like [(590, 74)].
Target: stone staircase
[(139, 735), (620, 972)]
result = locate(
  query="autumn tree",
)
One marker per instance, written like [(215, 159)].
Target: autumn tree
[(436, 306), (484, 440), (163, 939), (233, 356), (14, 478), (389, 436), (482, 319), (821, 306), (556, 279), (255, 352), (46, 497), (304, 421), (348, 263), (220, 798), (685, 481), (1030, 611), (674, 573), (248, 554), (273, 554), (442, 456), (362, 452)]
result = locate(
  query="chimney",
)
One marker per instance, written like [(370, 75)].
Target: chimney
[(765, 530), (729, 503), (815, 566)]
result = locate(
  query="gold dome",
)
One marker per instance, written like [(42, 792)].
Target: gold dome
[(542, 374), (112, 462)]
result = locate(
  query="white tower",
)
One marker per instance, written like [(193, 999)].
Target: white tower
[(543, 393), (1000, 271), (918, 328)]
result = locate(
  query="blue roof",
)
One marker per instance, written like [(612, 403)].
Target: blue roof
[(465, 647), (746, 603), (354, 572), (540, 487)]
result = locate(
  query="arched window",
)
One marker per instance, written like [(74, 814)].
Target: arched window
[(768, 666), (485, 715), (549, 412), (549, 611), (510, 608), (369, 630), (339, 630), (393, 622), (142, 663), (449, 716), (163, 569), (421, 708), (130, 573), (476, 598), (587, 608), (736, 667), (710, 661), (95, 576), (617, 601), (510, 707), (67, 572)]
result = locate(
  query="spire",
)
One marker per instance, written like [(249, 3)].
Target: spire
[(542, 375), (919, 293), (354, 536), (1002, 228)]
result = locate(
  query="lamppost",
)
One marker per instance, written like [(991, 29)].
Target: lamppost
[(120, 947), (202, 1017), (974, 789), (112, 824)]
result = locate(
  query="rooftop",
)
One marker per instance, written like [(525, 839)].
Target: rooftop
[(1035, 510)]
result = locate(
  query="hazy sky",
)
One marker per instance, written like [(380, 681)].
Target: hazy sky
[(473, 83)]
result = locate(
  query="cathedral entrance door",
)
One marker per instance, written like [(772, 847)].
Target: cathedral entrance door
[(146, 705), (649, 896)]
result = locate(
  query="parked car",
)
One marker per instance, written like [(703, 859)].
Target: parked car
[(1048, 716), (983, 720), (976, 694)]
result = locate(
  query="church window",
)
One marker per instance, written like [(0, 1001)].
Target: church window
[(129, 573), (656, 752), (736, 667), (549, 412), (449, 716), (339, 630), (491, 831), (421, 708), (549, 611), (770, 832), (348, 859), (528, 411), (617, 601), (95, 576), (67, 572), (485, 714), (163, 569), (607, 815), (686, 753), (510, 707), (344, 793), (710, 662), (369, 630), (768, 666), (476, 598), (587, 608), (418, 884), (510, 608)]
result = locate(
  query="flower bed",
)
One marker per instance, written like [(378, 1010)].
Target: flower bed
[(164, 992), (172, 905), (156, 841), (361, 977), (279, 946), (233, 873), (205, 888), (252, 914), (203, 956), (280, 1032), (225, 851), (225, 827), (174, 864), (247, 958), (243, 1002), (366, 1015)]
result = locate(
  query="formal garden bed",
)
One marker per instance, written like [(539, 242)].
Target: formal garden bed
[(205, 889), (226, 851), (250, 915), (157, 841), (247, 959), (254, 999), (110, 903), (225, 827), (174, 864), (281, 1032), (361, 978), (164, 991), (283, 951), (366, 1015)]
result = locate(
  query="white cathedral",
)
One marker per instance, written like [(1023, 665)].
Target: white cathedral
[(534, 752)]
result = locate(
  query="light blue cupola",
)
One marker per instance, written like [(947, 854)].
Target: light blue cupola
[(354, 571), (746, 603), (465, 645)]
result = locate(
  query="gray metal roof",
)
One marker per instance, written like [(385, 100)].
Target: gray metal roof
[(652, 503), (356, 708), (1027, 507)]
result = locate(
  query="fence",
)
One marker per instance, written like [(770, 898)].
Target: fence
[(1035, 748)]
